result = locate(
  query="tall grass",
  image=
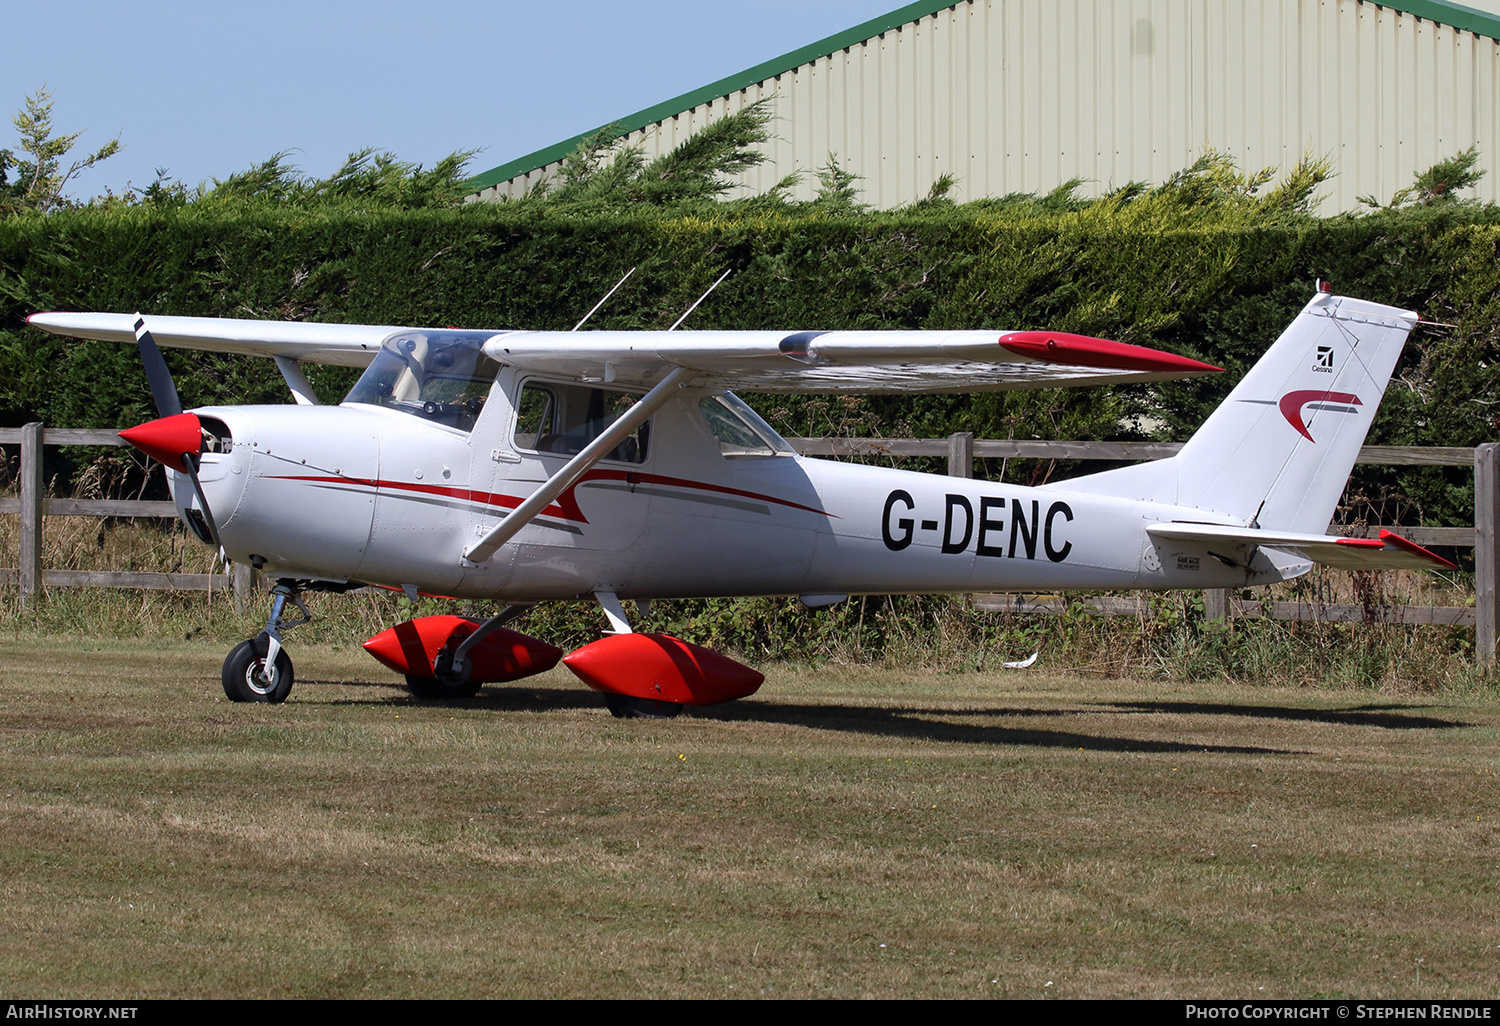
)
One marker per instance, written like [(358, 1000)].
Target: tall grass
[(1169, 639)]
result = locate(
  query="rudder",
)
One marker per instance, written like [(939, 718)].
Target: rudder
[(1278, 451)]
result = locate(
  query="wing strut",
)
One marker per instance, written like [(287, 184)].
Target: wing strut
[(296, 380), (578, 465)]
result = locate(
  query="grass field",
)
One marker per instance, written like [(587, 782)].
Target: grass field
[(849, 831)]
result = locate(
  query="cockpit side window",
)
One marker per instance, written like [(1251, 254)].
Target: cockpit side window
[(440, 375), (563, 419)]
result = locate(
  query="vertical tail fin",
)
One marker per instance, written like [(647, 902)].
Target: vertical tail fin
[(1278, 451)]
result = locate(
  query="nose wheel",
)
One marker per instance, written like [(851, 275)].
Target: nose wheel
[(259, 670), (251, 674)]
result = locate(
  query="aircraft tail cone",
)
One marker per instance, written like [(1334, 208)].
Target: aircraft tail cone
[(167, 439), (663, 668), (412, 648)]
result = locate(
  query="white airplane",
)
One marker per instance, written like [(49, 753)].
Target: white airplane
[(530, 466)]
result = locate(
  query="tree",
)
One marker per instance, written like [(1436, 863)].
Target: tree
[(838, 188), (702, 167), (1438, 185), (375, 179), (40, 180)]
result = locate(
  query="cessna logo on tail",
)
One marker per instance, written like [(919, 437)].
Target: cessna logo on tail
[(1293, 403), (1325, 361)]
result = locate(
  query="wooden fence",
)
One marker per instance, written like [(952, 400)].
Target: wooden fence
[(960, 450), (33, 504)]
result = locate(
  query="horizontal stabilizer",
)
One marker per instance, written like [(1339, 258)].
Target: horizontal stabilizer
[(1388, 552)]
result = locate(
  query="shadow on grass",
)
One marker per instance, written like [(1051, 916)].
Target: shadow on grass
[(875, 722), (936, 724), (1356, 716), (497, 699), (912, 723)]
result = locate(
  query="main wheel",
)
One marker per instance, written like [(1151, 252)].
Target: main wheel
[(626, 707), (436, 689), (244, 676)]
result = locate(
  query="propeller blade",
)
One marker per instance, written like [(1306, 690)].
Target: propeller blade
[(163, 391), (175, 438), (190, 464), (176, 441)]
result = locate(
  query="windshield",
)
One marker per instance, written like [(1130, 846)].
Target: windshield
[(440, 375), (739, 429)]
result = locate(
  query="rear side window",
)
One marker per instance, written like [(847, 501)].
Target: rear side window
[(563, 419)]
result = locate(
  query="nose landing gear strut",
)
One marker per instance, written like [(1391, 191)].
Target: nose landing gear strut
[(259, 670)]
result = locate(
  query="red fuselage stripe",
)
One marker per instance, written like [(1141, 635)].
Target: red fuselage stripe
[(566, 507)]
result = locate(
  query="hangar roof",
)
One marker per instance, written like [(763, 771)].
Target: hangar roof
[(1441, 11)]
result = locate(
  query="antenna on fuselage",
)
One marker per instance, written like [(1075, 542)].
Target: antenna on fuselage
[(700, 299), (604, 300)]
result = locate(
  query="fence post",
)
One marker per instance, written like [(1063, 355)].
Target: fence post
[(243, 580), (30, 569), (1216, 603), (961, 454), (1486, 552)]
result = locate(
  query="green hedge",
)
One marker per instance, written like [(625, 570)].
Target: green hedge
[(1213, 284)]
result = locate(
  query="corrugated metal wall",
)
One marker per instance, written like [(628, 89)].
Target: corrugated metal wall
[(1021, 95)]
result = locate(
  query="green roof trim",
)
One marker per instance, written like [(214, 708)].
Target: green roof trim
[(1442, 11), (1456, 15), (723, 87)]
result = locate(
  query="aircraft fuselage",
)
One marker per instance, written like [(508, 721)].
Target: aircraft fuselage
[(386, 496)]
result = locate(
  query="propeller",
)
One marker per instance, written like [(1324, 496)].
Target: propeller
[(175, 438)]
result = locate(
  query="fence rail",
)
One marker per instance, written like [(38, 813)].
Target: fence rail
[(960, 450), (33, 504)]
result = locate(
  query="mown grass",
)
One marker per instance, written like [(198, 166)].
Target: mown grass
[(849, 831)]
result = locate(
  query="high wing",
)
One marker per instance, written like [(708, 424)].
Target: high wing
[(1388, 552), (756, 361), (845, 361), (344, 345)]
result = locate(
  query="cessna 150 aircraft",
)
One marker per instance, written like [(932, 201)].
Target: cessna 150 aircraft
[(525, 466)]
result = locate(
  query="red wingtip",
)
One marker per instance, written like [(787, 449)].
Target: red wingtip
[(167, 439), (1084, 351)]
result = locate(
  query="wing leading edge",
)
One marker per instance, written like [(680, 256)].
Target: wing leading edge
[(756, 361), (844, 361), (344, 345)]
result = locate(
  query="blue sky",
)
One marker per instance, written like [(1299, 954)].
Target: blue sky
[(206, 89)]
